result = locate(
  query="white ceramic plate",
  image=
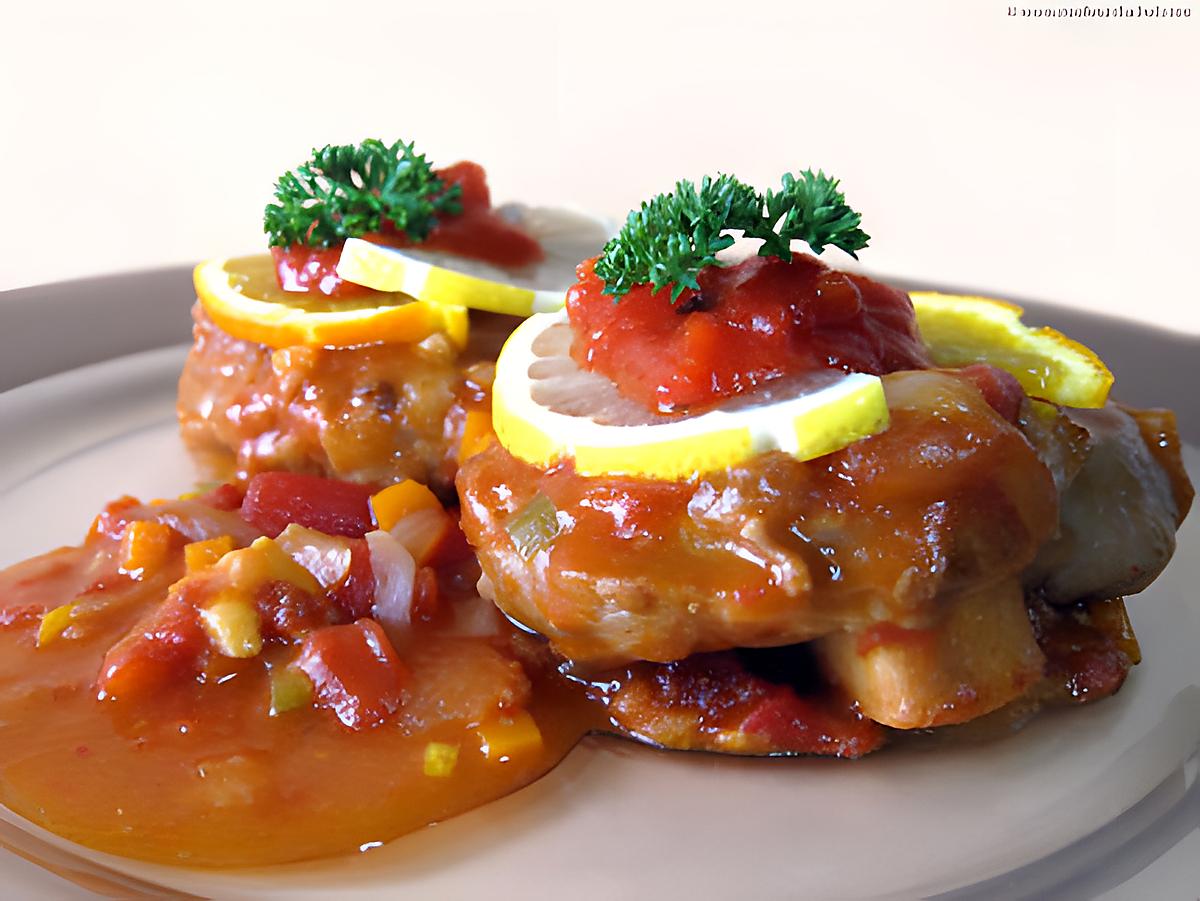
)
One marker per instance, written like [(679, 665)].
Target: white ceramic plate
[(616, 820)]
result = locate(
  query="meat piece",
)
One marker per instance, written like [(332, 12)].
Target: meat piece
[(979, 658), (1122, 498), (775, 551), (376, 413), (713, 702)]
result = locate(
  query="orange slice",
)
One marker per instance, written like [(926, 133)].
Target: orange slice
[(241, 296)]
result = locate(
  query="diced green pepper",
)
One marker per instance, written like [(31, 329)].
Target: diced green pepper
[(534, 526)]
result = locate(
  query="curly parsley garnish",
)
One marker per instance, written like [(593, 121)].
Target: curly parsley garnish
[(673, 236), (348, 190)]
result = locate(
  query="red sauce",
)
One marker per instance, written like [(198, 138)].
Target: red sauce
[(478, 233), (760, 320)]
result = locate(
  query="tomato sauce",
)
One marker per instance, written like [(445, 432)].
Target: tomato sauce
[(477, 233), (128, 733), (751, 323)]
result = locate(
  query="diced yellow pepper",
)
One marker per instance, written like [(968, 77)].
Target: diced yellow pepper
[(477, 434), (55, 622), (144, 547), (440, 759), (508, 737), (202, 554), (397, 501), (233, 624), (290, 689), (265, 561)]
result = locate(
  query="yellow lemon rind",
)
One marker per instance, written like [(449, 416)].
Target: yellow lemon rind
[(390, 269)]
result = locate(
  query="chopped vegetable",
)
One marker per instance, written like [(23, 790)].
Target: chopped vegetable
[(395, 572), (201, 554), (398, 501), (327, 557), (275, 499), (423, 532), (144, 547), (265, 561), (510, 736), (477, 434), (233, 625), (440, 759), (54, 623), (291, 689), (534, 526), (354, 595), (355, 672), (163, 647)]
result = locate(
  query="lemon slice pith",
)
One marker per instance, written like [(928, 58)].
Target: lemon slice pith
[(961, 330), (442, 278), (240, 295), (546, 409)]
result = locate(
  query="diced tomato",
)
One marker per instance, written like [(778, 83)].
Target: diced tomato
[(750, 323), (289, 612), (800, 725), (471, 179), (478, 232), (164, 648), (224, 497), (275, 499), (355, 672), (355, 594), (453, 546), (313, 270), (999, 388), (425, 595)]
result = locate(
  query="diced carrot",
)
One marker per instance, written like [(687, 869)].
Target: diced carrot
[(397, 501), (144, 547), (200, 554), (510, 736), (477, 434)]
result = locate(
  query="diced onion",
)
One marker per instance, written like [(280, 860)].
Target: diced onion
[(395, 572), (421, 531), (327, 557), (197, 521)]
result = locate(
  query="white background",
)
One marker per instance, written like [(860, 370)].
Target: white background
[(1043, 158)]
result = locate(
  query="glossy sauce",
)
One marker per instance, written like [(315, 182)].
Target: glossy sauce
[(477, 232), (751, 323), (200, 772)]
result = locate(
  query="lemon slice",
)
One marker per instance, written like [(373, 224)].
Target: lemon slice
[(961, 330), (241, 296), (442, 278), (545, 408)]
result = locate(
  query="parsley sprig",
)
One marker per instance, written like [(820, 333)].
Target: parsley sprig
[(674, 236), (349, 190)]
